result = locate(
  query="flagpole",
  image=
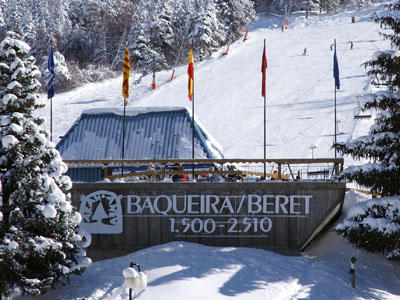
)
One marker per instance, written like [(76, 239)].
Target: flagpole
[(265, 130), (191, 98), (125, 94), (123, 139), (193, 130), (51, 119), (50, 88), (335, 109)]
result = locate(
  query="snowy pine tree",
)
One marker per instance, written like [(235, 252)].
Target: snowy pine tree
[(234, 15), (382, 145), (205, 34), (39, 244), (382, 148)]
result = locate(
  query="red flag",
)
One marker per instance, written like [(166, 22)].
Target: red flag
[(191, 75), (264, 72)]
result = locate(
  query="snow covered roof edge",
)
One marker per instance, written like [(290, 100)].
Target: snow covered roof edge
[(132, 111)]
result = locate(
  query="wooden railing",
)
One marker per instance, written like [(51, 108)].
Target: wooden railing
[(162, 167)]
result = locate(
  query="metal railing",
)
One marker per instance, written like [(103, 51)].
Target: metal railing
[(276, 169)]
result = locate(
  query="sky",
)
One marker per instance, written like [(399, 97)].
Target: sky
[(228, 102)]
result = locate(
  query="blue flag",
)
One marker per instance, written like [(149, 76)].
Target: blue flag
[(336, 70), (50, 66)]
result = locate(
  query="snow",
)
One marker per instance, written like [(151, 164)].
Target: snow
[(17, 62), (16, 128), (4, 120), (87, 237), (23, 47), (130, 111), (49, 211), (300, 93), (8, 97), (12, 245), (40, 137), (130, 273), (8, 141), (18, 115), (14, 84)]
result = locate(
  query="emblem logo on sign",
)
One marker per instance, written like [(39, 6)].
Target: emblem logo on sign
[(101, 212)]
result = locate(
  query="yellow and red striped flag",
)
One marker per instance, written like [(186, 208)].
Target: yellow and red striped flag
[(125, 81), (191, 74)]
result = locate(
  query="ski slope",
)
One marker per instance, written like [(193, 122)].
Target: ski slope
[(228, 102)]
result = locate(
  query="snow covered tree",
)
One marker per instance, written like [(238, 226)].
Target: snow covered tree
[(234, 15), (374, 225), (205, 34), (382, 145), (382, 149), (1, 14), (330, 6), (162, 34), (39, 243)]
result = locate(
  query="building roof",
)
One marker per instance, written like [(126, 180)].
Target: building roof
[(150, 133)]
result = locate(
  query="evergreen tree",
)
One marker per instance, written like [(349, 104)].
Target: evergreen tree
[(382, 145), (1, 14), (39, 245), (234, 15), (205, 34), (375, 226), (330, 6)]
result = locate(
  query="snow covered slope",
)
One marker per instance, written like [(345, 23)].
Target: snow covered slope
[(228, 102)]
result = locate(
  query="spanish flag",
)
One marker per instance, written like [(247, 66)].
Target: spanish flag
[(191, 75), (125, 81), (264, 72)]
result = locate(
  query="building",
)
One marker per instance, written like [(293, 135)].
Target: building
[(150, 133)]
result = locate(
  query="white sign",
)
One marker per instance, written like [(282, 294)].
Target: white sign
[(101, 212), (193, 215)]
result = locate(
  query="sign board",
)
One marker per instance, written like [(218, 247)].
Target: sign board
[(270, 215)]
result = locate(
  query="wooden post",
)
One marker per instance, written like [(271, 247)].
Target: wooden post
[(279, 171), (105, 174), (337, 169)]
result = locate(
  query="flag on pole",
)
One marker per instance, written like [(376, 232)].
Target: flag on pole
[(50, 67), (191, 75), (125, 81), (336, 70), (264, 72)]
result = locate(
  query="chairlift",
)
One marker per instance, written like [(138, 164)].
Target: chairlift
[(323, 172), (358, 114), (320, 173)]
